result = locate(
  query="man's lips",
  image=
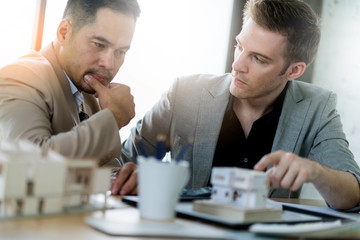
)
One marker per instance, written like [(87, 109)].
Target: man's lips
[(239, 81), (99, 77)]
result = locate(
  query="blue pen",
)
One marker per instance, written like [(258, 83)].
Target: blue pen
[(140, 145), (184, 149), (160, 146)]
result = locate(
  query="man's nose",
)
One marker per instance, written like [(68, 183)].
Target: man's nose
[(240, 62), (107, 60)]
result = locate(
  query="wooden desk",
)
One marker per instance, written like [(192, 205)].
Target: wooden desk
[(72, 226), (311, 202)]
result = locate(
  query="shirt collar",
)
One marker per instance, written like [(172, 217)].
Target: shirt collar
[(277, 104), (75, 92)]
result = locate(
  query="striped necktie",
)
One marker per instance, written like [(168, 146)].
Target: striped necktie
[(82, 114)]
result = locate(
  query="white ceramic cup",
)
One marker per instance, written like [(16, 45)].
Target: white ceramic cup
[(160, 185)]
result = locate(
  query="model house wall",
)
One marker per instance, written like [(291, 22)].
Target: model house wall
[(242, 187), (34, 182)]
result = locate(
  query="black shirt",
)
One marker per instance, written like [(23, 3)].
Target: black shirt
[(234, 150)]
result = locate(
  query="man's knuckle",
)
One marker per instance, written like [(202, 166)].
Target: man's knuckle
[(284, 184)]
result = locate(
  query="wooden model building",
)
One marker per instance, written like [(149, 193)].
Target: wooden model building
[(36, 183)]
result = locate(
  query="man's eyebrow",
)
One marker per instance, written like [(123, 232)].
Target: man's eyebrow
[(104, 40), (256, 53)]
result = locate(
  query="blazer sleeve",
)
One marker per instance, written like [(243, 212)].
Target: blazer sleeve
[(27, 112), (97, 137), (330, 146), (156, 121)]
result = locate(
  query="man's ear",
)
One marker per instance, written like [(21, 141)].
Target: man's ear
[(64, 31), (295, 70)]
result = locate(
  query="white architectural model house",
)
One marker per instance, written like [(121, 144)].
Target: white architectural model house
[(238, 195), (36, 183), (242, 187)]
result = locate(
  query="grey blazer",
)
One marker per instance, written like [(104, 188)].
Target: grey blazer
[(194, 106)]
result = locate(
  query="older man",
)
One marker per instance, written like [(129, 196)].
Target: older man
[(48, 97)]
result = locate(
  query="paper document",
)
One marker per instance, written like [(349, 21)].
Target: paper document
[(279, 229)]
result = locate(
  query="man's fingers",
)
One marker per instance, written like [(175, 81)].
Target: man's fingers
[(287, 180), (299, 181), (127, 176), (267, 160), (285, 170), (134, 191), (268, 178), (130, 186), (96, 85), (119, 182), (114, 85), (289, 171)]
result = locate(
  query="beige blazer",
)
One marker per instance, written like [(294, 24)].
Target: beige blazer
[(36, 103)]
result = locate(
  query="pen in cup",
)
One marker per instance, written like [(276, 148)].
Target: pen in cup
[(160, 146), (141, 147)]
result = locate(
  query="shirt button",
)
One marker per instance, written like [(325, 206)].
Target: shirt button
[(246, 160)]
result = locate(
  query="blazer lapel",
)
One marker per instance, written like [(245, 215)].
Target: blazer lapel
[(291, 122), (289, 129), (71, 114), (212, 107)]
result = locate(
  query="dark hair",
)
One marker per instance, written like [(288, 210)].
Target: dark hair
[(83, 12), (291, 18)]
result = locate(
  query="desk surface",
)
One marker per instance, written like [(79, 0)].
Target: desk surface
[(73, 226), (311, 202)]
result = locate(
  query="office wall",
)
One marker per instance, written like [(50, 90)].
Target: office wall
[(337, 66), (172, 38)]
